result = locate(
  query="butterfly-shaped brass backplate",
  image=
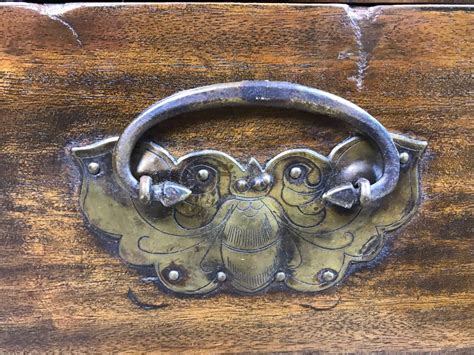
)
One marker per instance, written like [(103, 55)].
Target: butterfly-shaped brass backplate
[(249, 227)]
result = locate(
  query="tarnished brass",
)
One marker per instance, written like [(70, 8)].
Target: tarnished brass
[(248, 227), (267, 94), (205, 221)]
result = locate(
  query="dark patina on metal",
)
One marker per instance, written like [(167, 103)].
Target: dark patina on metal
[(267, 94), (205, 220)]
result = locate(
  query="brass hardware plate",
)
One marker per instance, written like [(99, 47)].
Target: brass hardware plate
[(248, 227)]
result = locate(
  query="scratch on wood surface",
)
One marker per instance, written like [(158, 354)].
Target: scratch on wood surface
[(357, 18), (61, 9), (68, 26), (54, 12)]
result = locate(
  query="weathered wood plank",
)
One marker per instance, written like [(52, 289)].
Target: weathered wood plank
[(83, 74)]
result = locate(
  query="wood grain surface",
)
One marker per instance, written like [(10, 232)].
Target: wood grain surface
[(380, 2), (75, 74), (377, 2)]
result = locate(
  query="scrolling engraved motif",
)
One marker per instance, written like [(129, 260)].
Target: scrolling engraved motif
[(249, 227)]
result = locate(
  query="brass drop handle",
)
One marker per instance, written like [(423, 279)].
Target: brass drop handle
[(247, 226), (266, 94)]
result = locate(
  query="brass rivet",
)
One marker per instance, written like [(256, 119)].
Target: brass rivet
[(93, 168), (259, 184), (267, 178), (221, 276), (241, 185), (404, 157), (328, 275), (173, 275), (203, 174), (295, 172), (280, 276)]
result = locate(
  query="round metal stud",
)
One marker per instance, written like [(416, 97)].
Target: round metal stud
[(328, 275), (173, 275), (221, 276), (267, 178), (93, 168), (295, 172), (404, 157), (280, 276), (203, 174), (241, 185), (259, 184)]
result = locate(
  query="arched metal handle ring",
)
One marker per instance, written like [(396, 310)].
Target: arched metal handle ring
[(266, 94)]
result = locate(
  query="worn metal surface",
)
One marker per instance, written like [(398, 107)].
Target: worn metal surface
[(268, 94), (248, 227), (212, 217)]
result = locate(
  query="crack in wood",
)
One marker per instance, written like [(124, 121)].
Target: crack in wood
[(146, 306), (318, 309)]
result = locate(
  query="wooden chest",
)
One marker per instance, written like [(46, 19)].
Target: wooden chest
[(71, 75)]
